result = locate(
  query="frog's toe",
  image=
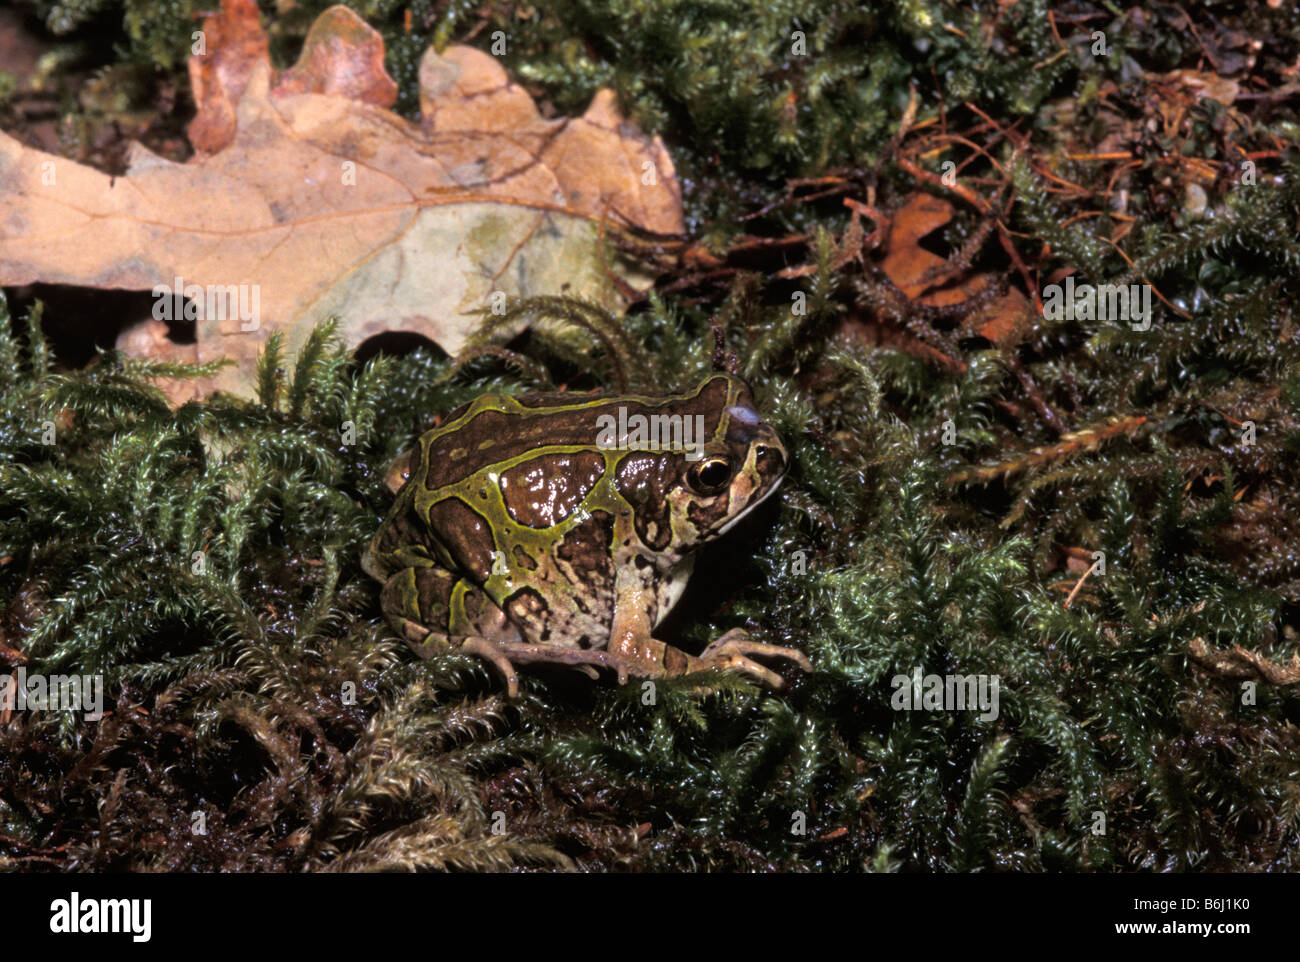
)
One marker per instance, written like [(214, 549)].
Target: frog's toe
[(727, 661), (496, 657), (793, 654), (737, 643)]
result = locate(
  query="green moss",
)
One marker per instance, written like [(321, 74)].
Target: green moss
[(206, 560)]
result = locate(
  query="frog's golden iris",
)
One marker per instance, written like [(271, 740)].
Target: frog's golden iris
[(521, 535)]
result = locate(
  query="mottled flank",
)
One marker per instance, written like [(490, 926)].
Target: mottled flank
[(585, 550), (394, 535), (433, 593), (528, 610)]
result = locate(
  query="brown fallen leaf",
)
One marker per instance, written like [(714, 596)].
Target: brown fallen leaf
[(920, 274), (1205, 85), (320, 201), (927, 278), (1240, 662)]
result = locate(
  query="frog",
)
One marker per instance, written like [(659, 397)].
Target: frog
[(562, 528)]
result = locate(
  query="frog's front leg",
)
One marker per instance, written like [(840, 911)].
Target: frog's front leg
[(641, 655), (656, 659)]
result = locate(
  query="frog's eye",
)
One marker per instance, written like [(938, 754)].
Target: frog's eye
[(709, 476)]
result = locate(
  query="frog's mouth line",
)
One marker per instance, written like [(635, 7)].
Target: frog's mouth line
[(751, 506)]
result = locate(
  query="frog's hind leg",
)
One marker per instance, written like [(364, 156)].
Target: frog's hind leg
[(583, 659), (437, 610), (434, 610), (504, 655)]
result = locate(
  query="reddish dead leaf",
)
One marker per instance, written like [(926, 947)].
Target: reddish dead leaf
[(341, 57), (1078, 560), (906, 262), (324, 203), (925, 277), (876, 333), (234, 42)]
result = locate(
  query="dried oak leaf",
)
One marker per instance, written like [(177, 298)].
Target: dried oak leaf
[(309, 198)]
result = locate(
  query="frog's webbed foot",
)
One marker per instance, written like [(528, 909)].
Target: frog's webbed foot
[(731, 651)]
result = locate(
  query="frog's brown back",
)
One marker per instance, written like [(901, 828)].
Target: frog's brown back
[(501, 430)]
